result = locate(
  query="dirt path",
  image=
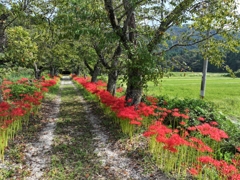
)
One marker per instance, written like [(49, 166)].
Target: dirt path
[(113, 155), (74, 143)]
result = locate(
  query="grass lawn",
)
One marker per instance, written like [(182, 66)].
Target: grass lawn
[(223, 91)]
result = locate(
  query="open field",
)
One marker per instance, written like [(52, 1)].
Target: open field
[(223, 91)]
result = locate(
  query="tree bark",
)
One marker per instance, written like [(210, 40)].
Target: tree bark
[(52, 71), (113, 68), (37, 71), (113, 72), (1, 95), (3, 41), (3, 38), (77, 71), (96, 72), (134, 83)]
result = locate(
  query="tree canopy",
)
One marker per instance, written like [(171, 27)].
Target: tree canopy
[(140, 39)]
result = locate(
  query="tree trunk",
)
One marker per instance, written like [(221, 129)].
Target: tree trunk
[(37, 71), (52, 71), (113, 73), (135, 83), (134, 87), (77, 71), (1, 96), (3, 41), (3, 38), (95, 72), (112, 81)]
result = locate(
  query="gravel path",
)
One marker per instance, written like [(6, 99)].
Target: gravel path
[(37, 153)]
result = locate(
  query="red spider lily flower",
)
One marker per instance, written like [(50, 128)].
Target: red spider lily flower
[(6, 123), (44, 89), (48, 83), (236, 162), (201, 119), (175, 110), (161, 138), (213, 123), (199, 145), (170, 148), (227, 169), (168, 111), (214, 133), (148, 133), (4, 106), (145, 110), (192, 128), (6, 82), (17, 111), (235, 177), (173, 141), (119, 90), (160, 119), (222, 166), (101, 83), (128, 113), (23, 104), (176, 114), (135, 122), (184, 116), (164, 114), (23, 80), (164, 109), (6, 91), (176, 131), (182, 123), (193, 171), (152, 100), (157, 128), (206, 159), (176, 140)]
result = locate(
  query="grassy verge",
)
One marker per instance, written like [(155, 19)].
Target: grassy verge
[(223, 91)]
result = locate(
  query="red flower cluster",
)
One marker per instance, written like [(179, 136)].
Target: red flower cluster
[(12, 111), (226, 170), (48, 83), (131, 113), (152, 100), (171, 139), (176, 133), (213, 132)]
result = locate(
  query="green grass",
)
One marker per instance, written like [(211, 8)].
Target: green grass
[(223, 91), (20, 73)]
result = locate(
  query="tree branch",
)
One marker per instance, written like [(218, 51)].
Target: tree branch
[(189, 44), (88, 66), (165, 24)]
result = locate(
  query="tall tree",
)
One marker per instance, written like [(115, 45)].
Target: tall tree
[(144, 33)]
